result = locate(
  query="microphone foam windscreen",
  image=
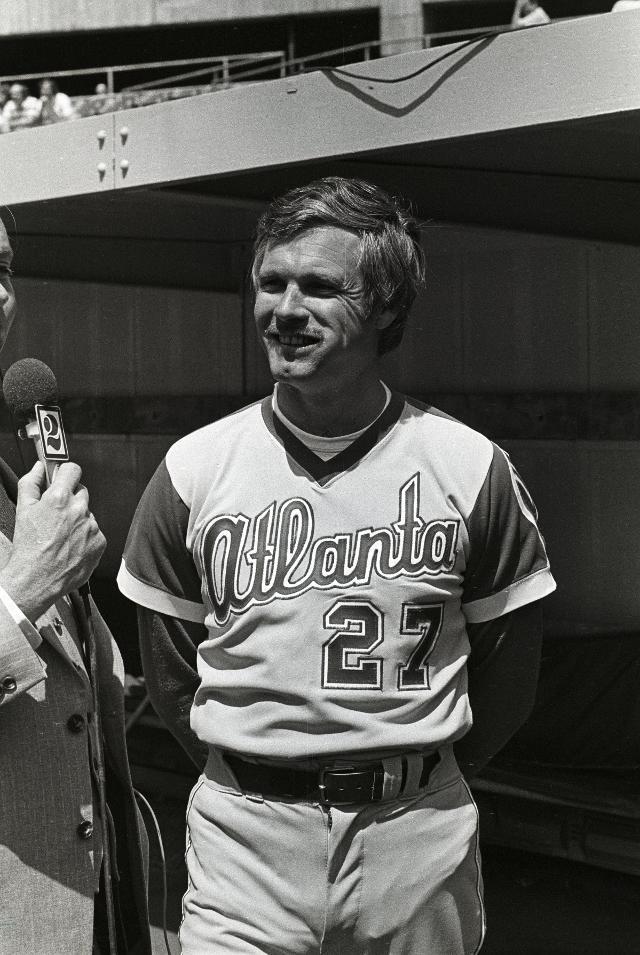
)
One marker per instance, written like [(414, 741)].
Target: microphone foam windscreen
[(26, 383)]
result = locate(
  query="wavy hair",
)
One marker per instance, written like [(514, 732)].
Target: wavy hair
[(391, 259)]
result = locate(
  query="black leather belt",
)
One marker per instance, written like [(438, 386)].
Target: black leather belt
[(331, 787)]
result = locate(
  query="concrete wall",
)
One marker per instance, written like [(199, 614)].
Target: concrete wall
[(59, 16), (400, 20)]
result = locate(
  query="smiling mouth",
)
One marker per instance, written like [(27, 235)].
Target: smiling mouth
[(293, 339)]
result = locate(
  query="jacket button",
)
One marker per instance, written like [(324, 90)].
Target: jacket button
[(85, 829), (9, 684), (75, 723)]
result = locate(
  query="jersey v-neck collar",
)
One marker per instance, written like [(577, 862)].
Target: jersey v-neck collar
[(316, 467)]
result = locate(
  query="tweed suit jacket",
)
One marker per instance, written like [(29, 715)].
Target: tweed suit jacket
[(50, 847)]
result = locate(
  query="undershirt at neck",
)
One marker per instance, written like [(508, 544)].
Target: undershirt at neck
[(325, 447)]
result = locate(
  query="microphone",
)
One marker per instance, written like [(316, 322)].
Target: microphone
[(31, 392)]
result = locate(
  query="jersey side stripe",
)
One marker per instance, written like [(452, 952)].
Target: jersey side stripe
[(524, 591)]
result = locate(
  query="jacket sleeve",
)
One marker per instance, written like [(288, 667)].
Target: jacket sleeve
[(503, 672), (168, 647), (20, 665)]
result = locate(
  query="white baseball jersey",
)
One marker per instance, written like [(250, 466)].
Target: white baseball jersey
[(335, 593)]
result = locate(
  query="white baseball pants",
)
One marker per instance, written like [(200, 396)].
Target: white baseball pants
[(284, 877)]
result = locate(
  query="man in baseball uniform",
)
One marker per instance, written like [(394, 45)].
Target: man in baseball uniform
[(357, 578)]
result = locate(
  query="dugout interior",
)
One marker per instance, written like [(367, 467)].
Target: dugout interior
[(521, 154)]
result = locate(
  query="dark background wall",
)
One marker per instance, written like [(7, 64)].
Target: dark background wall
[(532, 339)]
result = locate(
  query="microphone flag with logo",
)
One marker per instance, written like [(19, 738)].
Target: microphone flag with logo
[(31, 393)]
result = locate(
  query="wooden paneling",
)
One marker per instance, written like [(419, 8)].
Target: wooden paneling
[(116, 470), (83, 331), (587, 498), (131, 260), (614, 317), (121, 340), (257, 376), (188, 342), (502, 312), (431, 356), (142, 238), (525, 313)]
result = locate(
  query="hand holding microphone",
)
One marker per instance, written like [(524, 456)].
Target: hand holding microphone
[(57, 543)]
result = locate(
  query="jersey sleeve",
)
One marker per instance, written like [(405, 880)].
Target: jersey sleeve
[(507, 565), (157, 570)]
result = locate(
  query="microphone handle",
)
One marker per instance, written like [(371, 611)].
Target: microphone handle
[(32, 431)]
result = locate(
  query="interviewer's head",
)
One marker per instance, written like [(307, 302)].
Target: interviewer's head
[(7, 295)]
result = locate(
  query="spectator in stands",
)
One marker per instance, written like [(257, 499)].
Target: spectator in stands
[(102, 101), (55, 106), (21, 109), (529, 13)]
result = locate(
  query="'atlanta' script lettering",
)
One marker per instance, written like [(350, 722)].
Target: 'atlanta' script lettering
[(274, 555)]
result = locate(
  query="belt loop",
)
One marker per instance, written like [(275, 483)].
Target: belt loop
[(392, 777), (414, 770)]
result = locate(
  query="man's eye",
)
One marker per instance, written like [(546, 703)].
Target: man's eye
[(321, 291)]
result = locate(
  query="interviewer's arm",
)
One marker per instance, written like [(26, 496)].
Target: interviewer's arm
[(503, 674)]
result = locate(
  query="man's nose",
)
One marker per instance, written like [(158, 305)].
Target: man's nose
[(290, 306)]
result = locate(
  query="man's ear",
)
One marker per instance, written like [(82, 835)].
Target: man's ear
[(384, 319)]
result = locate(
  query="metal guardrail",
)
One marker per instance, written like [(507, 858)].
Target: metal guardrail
[(371, 47), (217, 66)]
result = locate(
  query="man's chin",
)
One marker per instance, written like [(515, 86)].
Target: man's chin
[(290, 370)]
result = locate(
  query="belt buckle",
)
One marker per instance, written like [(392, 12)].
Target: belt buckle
[(327, 802), (322, 789)]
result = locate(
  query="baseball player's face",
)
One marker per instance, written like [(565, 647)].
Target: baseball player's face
[(8, 306), (310, 312)]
